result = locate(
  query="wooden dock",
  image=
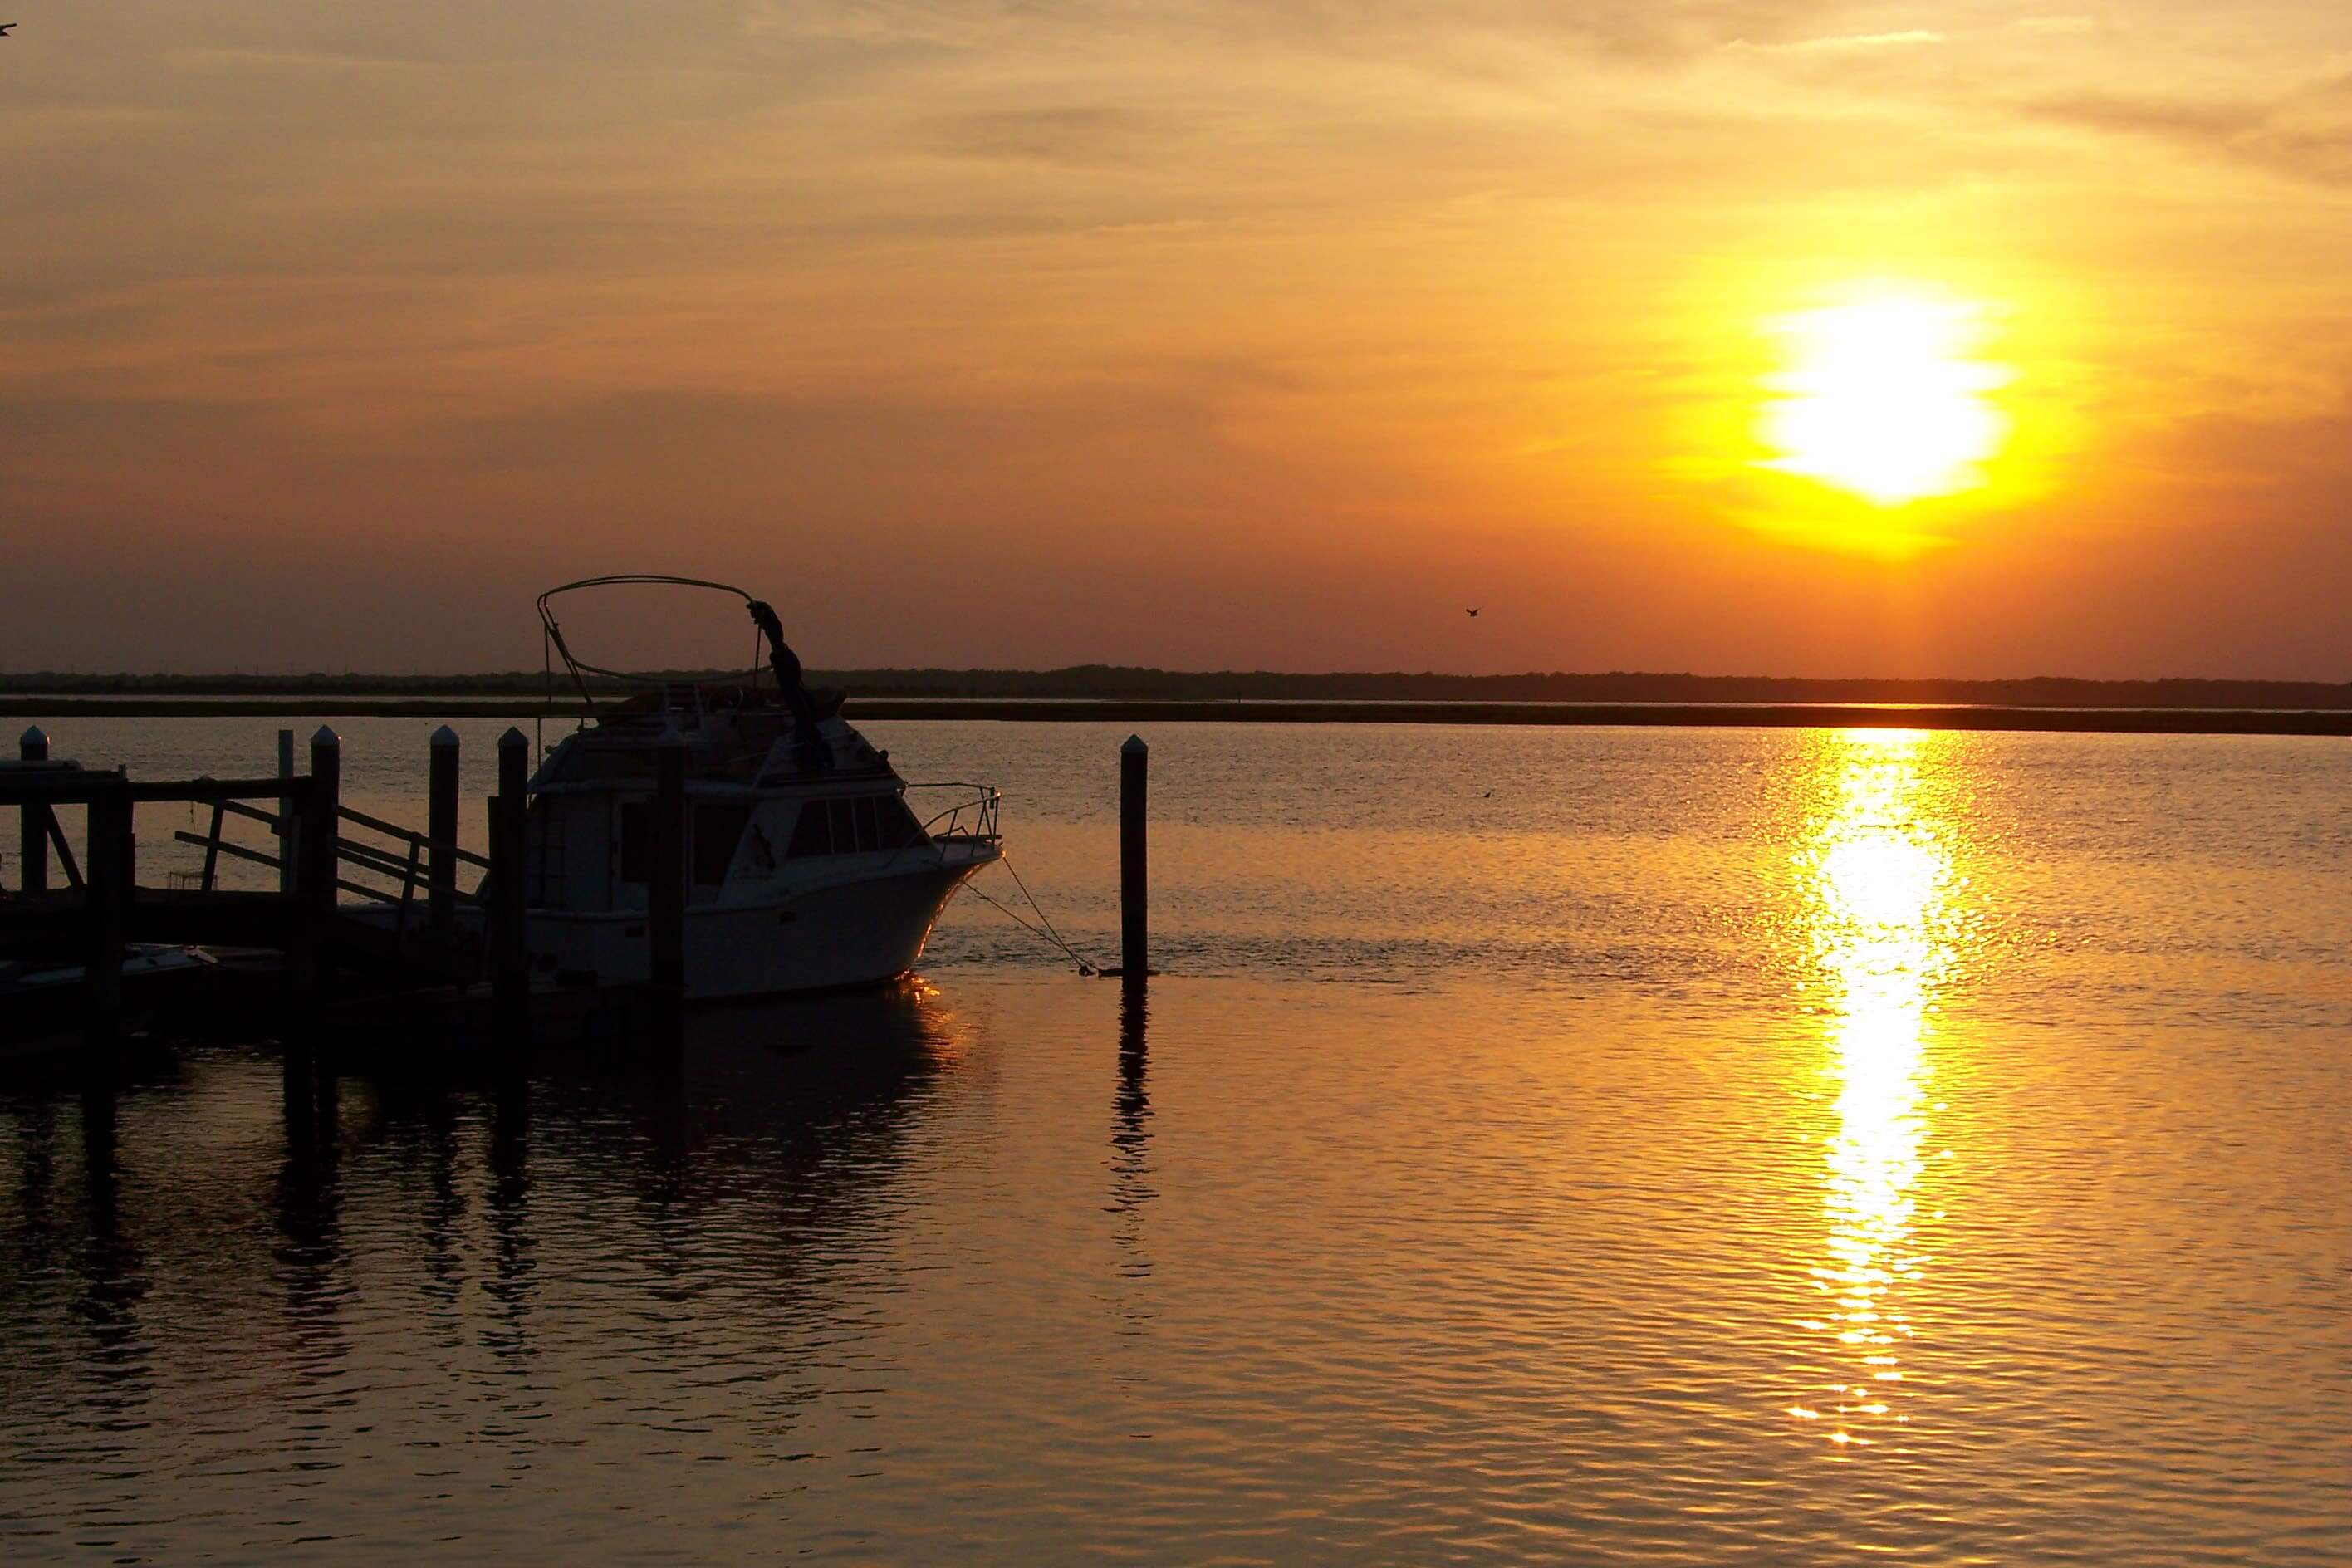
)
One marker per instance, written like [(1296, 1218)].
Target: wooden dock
[(309, 966)]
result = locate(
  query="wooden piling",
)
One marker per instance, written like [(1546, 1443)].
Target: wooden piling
[(1134, 879), (317, 825), (289, 829), (33, 818), (112, 862), (441, 828), (665, 913), (514, 766), (509, 817)]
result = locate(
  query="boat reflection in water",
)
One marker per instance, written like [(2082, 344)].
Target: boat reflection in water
[(1879, 883), (750, 1165)]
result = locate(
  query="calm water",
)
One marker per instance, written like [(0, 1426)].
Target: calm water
[(1586, 1145)]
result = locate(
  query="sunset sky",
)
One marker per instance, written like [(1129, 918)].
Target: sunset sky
[(1205, 335)]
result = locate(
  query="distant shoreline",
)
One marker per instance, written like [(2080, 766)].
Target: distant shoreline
[(1113, 683), (1700, 715)]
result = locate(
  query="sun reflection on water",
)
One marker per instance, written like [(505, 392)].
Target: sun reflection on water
[(1878, 880)]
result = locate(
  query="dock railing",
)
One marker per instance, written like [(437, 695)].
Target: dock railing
[(107, 879), (322, 849), (406, 864)]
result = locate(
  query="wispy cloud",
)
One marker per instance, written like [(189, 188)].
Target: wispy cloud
[(1427, 33), (1845, 43), (2184, 119), (1081, 135), (2055, 27), (2305, 134)]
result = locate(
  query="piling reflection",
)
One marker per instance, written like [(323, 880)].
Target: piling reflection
[(312, 1271), (1130, 1139), (72, 1250), (430, 1120), (37, 1178), (743, 1170), (1877, 879), (512, 1259), (113, 1274)]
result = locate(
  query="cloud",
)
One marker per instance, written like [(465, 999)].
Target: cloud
[(1845, 43), (865, 283), (1423, 34), (2181, 120), (2055, 27), (1083, 136), (2306, 134), (2309, 132)]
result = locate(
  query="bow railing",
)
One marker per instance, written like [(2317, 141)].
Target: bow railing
[(971, 817)]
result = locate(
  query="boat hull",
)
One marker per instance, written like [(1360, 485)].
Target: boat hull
[(44, 1010), (861, 931)]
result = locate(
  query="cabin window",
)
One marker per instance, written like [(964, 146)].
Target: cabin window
[(809, 833), (717, 828), (896, 824), (852, 825)]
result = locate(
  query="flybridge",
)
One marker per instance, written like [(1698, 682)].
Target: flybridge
[(763, 619)]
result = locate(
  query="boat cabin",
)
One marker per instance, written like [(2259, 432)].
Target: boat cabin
[(762, 811)]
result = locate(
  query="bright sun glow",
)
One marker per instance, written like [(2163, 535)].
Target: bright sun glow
[(1883, 398)]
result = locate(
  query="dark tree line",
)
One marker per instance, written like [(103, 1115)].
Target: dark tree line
[(1118, 682)]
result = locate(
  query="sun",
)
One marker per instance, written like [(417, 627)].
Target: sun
[(1883, 396)]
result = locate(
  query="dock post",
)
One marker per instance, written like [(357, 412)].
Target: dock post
[(441, 828), (318, 827), (112, 870), (1134, 879), (510, 816), (666, 916), (33, 844), (287, 829)]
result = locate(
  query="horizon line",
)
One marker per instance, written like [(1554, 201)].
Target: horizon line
[(17, 679)]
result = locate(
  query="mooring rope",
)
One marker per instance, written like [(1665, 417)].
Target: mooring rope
[(1044, 928)]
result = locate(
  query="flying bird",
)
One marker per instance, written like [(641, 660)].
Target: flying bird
[(7, 28), (1474, 614)]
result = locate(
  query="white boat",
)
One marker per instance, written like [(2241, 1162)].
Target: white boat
[(813, 865), (42, 1001)]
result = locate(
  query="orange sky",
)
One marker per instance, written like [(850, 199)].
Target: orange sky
[(1206, 335)]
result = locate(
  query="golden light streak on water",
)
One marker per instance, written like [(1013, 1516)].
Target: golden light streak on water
[(1878, 879)]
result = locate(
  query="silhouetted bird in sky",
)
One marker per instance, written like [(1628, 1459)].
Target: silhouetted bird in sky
[(1472, 614), (7, 28)]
